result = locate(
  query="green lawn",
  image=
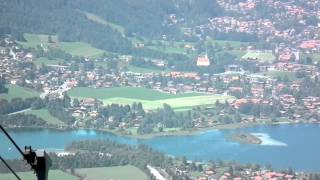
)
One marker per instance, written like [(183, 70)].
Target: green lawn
[(53, 175), (170, 49), (314, 56), (74, 48), (150, 99), (233, 44), (80, 49), (47, 61), (113, 173), (45, 115), (238, 53), (181, 104), (144, 70), (100, 20), (291, 75), (260, 56), (17, 91), (34, 40), (125, 92)]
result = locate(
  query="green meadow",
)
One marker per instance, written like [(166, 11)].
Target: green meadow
[(224, 43), (16, 91), (45, 115), (53, 175), (150, 99), (74, 48), (290, 75), (100, 20), (260, 56), (47, 61), (116, 173)]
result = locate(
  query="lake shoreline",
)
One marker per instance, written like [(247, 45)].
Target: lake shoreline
[(188, 132)]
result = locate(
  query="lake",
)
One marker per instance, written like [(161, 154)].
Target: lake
[(295, 146)]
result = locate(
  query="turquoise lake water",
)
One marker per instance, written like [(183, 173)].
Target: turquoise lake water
[(295, 146)]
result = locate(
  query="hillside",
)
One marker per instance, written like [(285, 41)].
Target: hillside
[(66, 19)]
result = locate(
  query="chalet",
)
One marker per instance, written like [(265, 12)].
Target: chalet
[(233, 68), (3, 51)]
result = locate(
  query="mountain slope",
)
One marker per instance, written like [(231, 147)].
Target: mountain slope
[(67, 20)]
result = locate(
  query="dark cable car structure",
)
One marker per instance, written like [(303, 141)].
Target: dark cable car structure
[(38, 160)]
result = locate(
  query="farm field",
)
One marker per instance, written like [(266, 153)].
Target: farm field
[(45, 115), (74, 48), (16, 91), (53, 175), (259, 56), (115, 173), (150, 99)]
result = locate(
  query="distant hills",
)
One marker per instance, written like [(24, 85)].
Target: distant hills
[(140, 18)]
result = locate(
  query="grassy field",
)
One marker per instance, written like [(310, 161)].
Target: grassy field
[(291, 75), (113, 173), (53, 175), (144, 70), (45, 115), (74, 48), (34, 40), (47, 61), (314, 56), (125, 92), (260, 56), (150, 99), (100, 20), (17, 91), (233, 44), (238, 53), (80, 49)]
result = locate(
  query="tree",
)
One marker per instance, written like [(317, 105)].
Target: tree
[(3, 88), (76, 102), (184, 161), (50, 39)]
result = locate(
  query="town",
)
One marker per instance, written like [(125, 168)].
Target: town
[(258, 63)]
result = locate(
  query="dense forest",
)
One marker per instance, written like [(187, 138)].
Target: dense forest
[(3, 88), (101, 154), (67, 19)]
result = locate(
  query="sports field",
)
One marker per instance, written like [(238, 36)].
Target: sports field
[(114, 173), (259, 56), (150, 99), (53, 175), (17, 91)]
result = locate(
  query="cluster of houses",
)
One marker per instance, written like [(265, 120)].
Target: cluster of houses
[(60, 79), (245, 21), (215, 173)]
